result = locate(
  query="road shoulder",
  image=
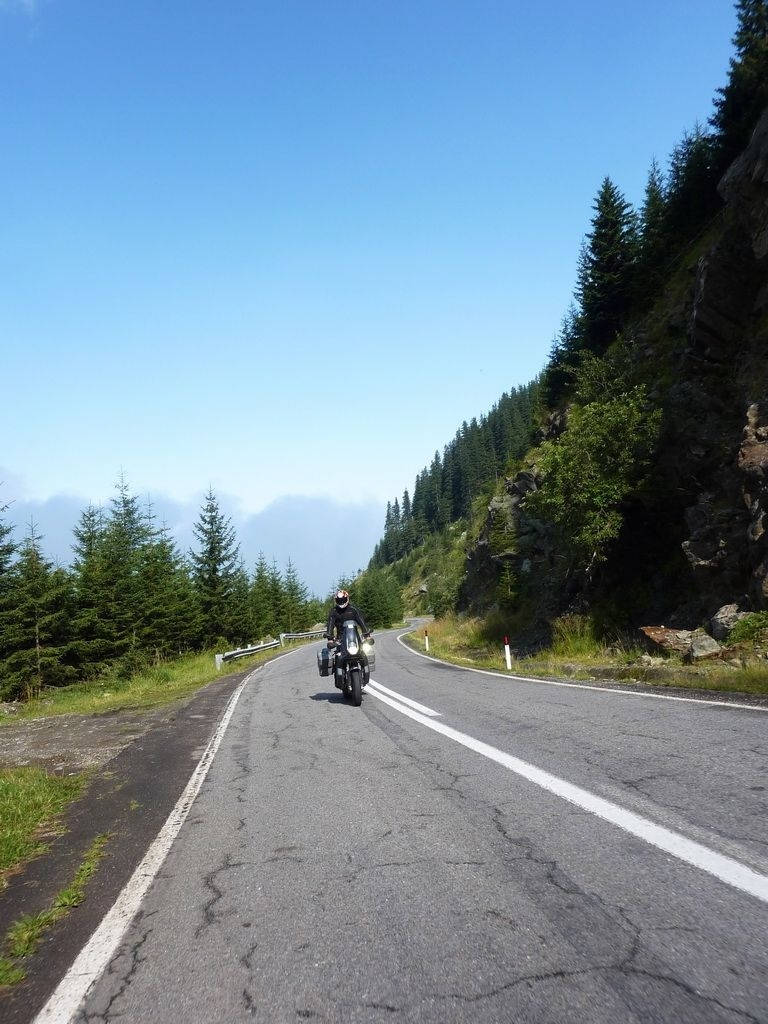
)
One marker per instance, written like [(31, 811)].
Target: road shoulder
[(129, 798)]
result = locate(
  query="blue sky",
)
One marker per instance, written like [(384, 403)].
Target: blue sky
[(285, 248)]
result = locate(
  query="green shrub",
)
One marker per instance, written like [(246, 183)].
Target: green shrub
[(748, 628), (591, 470)]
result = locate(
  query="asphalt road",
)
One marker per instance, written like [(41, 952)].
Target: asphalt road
[(344, 864)]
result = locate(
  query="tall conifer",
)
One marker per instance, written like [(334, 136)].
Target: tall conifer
[(262, 618), (213, 568), (742, 100), (607, 269), (35, 622), (295, 600)]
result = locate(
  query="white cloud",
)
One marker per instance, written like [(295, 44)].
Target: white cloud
[(325, 539)]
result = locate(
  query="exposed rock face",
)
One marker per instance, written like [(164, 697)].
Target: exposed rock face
[(724, 373), (556, 424), (695, 543), (753, 464), (525, 539), (723, 621), (745, 186)]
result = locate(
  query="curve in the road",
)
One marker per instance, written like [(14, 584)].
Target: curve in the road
[(580, 686)]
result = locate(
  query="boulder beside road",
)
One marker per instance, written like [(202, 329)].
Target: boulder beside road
[(690, 644)]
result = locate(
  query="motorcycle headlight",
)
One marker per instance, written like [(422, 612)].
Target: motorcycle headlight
[(367, 648), (352, 647)]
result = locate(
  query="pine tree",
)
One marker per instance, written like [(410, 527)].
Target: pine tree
[(8, 549), (35, 624), (7, 546), (240, 624), (691, 195), (213, 569), (295, 600), (93, 639), (168, 620), (120, 545), (262, 618), (406, 523), (653, 235), (276, 599), (745, 96), (606, 269)]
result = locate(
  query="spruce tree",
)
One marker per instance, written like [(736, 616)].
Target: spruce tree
[(240, 624), (276, 599), (7, 546), (8, 549), (262, 618), (653, 236), (93, 639), (213, 569), (35, 624), (168, 620), (691, 195), (740, 103), (295, 600), (125, 532), (606, 270)]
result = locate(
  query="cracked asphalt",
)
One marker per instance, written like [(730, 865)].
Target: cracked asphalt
[(346, 864)]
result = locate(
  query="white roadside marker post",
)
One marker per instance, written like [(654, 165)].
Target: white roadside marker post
[(507, 655), (219, 659), (426, 641)]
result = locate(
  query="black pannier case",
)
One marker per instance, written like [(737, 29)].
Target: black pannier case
[(324, 662)]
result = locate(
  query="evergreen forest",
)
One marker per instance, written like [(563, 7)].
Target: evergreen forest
[(131, 597), (613, 484)]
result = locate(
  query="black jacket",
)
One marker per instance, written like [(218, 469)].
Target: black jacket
[(338, 616)]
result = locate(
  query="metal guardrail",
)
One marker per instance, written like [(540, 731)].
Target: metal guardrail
[(243, 652)]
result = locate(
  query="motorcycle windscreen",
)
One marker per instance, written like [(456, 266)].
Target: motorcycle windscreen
[(351, 639)]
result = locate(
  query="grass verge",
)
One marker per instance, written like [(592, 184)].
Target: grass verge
[(25, 934), (150, 687), (576, 654), (31, 802)]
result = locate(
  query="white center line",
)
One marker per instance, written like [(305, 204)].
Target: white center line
[(422, 708), (724, 868)]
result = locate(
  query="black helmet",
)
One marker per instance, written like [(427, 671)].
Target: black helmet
[(342, 599)]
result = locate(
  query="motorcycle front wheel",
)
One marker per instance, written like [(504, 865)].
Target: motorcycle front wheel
[(357, 687)]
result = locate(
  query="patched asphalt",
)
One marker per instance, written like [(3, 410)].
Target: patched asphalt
[(345, 864), (129, 798)]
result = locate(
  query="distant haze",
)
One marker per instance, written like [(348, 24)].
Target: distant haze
[(325, 539)]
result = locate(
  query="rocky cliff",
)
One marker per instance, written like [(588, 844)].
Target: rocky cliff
[(695, 538)]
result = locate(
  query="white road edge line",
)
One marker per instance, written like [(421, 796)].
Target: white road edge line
[(580, 686), (94, 957), (724, 868), (422, 708)]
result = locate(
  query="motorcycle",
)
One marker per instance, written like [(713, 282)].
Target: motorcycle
[(353, 661)]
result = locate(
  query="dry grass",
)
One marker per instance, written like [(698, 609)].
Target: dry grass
[(576, 654)]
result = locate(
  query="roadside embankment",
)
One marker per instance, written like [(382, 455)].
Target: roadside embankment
[(68, 778), (576, 654)]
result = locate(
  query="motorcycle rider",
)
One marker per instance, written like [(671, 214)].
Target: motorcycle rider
[(340, 612)]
